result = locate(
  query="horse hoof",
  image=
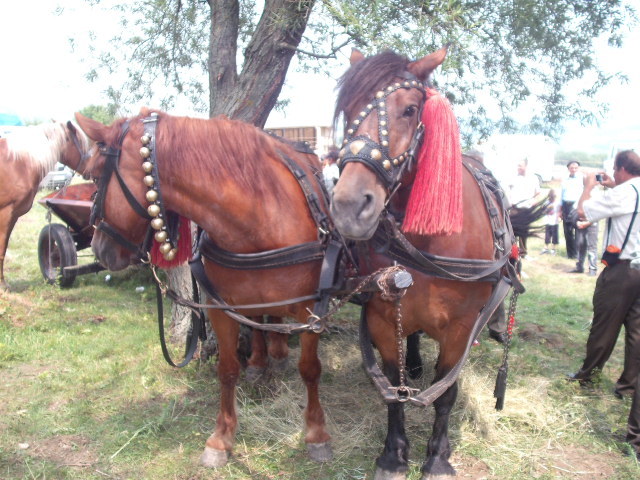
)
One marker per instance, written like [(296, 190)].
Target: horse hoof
[(386, 475), (278, 365), (213, 458), (320, 452), (253, 374)]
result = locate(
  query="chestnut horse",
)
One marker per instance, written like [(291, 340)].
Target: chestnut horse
[(238, 184), (25, 158), (385, 106)]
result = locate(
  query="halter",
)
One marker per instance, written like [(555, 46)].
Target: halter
[(374, 155), (162, 227)]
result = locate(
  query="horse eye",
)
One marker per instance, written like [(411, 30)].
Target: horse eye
[(410, 111)]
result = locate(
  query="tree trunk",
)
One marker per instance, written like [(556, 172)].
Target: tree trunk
[(251, 95)]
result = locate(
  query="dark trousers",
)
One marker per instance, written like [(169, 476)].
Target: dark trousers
[(569, 230), (616, 302), (633, 427)]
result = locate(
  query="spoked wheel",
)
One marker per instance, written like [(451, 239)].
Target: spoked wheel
[(56, 250)]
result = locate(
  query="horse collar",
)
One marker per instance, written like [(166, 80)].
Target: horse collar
[(360, 148)]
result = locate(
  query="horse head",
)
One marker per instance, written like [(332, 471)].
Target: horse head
[(115, 167), (381, 99)]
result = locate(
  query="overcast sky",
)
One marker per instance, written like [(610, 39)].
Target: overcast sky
[(42, 78)]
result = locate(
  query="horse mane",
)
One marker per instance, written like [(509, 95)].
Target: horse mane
[(357, 85), (230, 148), (41, 145)]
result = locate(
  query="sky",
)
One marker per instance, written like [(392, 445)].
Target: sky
[(44, 78)]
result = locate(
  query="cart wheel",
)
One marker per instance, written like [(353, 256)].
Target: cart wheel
[(56, 250)]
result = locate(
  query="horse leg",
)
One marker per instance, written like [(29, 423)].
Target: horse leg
[(219, 444), (257, 363), (278, 348), (413, 360), (436, 464), (7, 222), (393, 463), (316, 436)]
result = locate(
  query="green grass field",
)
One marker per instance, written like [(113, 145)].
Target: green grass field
[(86, 394)]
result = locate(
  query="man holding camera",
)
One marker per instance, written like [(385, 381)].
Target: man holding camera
[(616, 298)]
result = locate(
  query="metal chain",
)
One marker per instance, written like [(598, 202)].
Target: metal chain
[(511, 320)]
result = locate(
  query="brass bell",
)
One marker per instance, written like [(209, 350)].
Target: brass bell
[(151, 196), (383, 123), (160, 236), (381, 105), (356, 122), (384, 132), (379, 94), (385, 143), (153, 210), (343, 152), (165, 247), (148, 180), (363, 114), (145, 152), (147, 166), (350, 131), (376, 154), (145, 139), (356, 146), (396, 161), (369, 107), (171, 254), (386, 165), (157, 223)]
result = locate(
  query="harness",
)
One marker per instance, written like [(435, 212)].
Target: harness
[(389, 240)]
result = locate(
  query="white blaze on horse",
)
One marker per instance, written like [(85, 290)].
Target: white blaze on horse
[(25, 158)]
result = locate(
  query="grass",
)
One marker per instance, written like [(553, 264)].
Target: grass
[(86, 394)]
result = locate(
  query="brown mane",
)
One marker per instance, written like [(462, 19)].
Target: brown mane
[(239, 149), (359, 83)]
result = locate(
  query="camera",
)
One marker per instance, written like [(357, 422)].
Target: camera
[(599, 177)]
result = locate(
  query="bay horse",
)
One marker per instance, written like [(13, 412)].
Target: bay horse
[(401, 164), (25, 158), (250, 193)]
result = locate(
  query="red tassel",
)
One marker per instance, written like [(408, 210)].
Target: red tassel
[(435, 203), (184, 248)]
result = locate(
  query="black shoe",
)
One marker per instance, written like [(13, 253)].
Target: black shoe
[(584, 382), (500, 337), (593, 273), (576, 270), (617, 393)]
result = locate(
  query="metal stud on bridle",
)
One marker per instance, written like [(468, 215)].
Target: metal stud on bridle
[(360, 148)]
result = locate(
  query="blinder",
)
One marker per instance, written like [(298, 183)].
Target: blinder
[(376, 156)]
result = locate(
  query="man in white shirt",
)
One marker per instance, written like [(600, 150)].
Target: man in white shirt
[(571, 189), (616, 298)]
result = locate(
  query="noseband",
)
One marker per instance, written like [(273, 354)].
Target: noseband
[(376, 156), (162, 227)]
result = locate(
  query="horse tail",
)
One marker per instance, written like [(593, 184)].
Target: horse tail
[(523, 219)]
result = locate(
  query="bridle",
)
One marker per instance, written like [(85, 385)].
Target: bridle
[(163, 226), (375, 155)]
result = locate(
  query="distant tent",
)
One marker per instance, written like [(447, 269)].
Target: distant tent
[(10, 119)]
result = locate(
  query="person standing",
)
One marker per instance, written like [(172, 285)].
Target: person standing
[(521, 192), (330, 170), (571, 189), (616, 298), (587, 247), (552, 214)]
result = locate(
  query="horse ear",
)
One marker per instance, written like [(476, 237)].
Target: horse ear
[(423, 67), (94, 130), (71, 126), (356, 56)]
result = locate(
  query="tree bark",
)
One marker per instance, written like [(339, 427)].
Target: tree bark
[(251, 95)]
